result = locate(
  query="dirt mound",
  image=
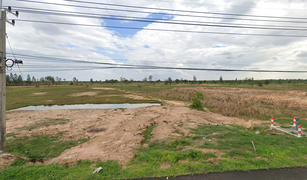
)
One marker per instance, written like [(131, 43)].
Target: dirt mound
[(91, 93), (6, 160), (39, 94)]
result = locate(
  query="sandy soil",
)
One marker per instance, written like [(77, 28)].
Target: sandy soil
[(39, 94), (91, 93), (114, 133)]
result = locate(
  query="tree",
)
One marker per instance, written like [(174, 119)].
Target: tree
[(50, 79), (7, 77), (266, 82), (75, 80), (58, 80), (194, 79), (33, 79), (221, 79), (20, 80), (150, 78), (197, 101), (91, 80), (28, 79), (177, 81), (170, 80), (42, 79), (145, 79)]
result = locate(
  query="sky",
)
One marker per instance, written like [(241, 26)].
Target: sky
[(102, 43)]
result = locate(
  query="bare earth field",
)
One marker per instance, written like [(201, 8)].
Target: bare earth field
[(115, 134)]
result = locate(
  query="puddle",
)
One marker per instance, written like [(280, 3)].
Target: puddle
[(88, 106)]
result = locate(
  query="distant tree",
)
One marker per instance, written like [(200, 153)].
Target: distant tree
[(177, 81), (266, 82), (15, 79), (150, 78), (28, 79), (221, 79), (20, 80), (50, 79), (75, 80), (42, 80), (194, 79), (259, 83), (91, 80), (7, 78), (170, 80), (145, 79), (131, 80), (33, 79), (279, 81), (58, 80)]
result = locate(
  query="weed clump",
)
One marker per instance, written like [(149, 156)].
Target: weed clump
[(197, 101)]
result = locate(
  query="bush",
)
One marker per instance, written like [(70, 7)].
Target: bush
[(196, 101)]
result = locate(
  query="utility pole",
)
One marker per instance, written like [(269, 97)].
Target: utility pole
[(2, 80)]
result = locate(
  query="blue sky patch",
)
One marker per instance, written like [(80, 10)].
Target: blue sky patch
[(217, 46), (146, 46), (139, 24)]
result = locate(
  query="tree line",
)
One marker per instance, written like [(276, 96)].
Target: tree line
[(17, 80)]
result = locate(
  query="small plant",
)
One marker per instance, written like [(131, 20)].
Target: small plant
[(196, 101)]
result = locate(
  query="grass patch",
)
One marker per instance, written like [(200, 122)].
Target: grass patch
[(40, 147), (19, 162), (61, 95), (10, 134), (147, 134), (44, 123)]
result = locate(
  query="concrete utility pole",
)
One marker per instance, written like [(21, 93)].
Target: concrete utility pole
[(2, 81)]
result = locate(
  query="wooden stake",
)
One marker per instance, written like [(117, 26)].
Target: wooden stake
[(253, 146)]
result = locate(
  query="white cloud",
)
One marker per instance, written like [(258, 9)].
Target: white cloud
[(172, 49)]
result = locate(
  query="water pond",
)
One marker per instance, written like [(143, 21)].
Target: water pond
[(88, 106)]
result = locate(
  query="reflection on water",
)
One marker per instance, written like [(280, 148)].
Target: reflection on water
[(88, 106)]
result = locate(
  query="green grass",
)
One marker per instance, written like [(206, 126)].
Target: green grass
[(147, 134), (272, 151), (40, 147)]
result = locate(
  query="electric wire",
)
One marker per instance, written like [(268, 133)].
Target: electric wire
[(119, 17), (172, 13), (156, 29), (130, 66), (13, 53), (166, 22), (166, 9)]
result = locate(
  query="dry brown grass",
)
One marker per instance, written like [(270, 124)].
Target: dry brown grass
[(226, 104)]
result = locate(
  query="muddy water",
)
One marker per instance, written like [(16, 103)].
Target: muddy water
[(88, 106)]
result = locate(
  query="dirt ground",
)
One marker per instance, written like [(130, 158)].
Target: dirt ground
[(114, 133)]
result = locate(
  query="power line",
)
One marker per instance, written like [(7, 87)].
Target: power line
[(172, 13), (246, 7), (166, 22), (165, 9), (130, 66), (116, 17), (63, 60), (155, 29)]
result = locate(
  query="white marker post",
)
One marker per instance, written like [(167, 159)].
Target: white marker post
[(294, 121), (272, 123), (299, 131)]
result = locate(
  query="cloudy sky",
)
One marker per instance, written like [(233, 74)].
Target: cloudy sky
[(101, 42)]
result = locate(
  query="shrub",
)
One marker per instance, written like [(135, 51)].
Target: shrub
[(196, 101)]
